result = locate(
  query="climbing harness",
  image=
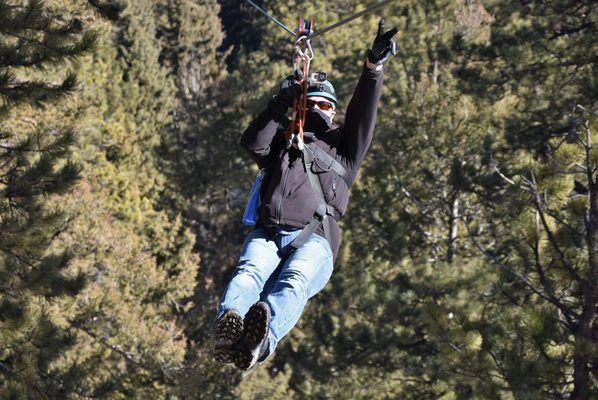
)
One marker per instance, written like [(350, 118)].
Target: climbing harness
[(313, 154), (324, 211)]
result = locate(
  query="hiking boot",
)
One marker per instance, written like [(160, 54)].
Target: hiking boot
[(227, 332), (255, 336)]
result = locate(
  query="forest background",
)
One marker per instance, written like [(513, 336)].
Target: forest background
[(469, 262)]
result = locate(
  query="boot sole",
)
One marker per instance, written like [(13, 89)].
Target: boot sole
[(228, 331), (256, 325)]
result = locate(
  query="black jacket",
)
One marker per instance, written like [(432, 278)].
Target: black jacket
[(286, 196)]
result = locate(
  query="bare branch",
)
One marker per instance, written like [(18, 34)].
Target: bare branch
[(567, 311), (585, 109), (503, 176), (128, 356), (566, 31)]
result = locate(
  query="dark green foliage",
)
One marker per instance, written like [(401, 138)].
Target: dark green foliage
[(541, 63), (110, 9), (441, 278), (33, 37), (34, 166), (545, 55), (468, 267), (241, 23)]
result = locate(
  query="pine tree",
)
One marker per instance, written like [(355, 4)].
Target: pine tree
[(203, 168), (404, 251), (541, 66), (133, 247), (430, 297), (35, 165), (131, 241)]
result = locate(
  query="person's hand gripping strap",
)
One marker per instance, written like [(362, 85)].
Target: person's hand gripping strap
[(289, 89), (383, 46)]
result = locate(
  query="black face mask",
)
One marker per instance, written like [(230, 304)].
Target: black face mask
[(316, 121)]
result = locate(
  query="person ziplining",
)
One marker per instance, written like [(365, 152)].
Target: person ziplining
[(309, 164)]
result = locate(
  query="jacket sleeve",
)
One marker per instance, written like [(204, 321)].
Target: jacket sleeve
[(262, 137), (360, 120)]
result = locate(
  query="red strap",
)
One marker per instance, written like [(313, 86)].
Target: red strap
[(299, 108)]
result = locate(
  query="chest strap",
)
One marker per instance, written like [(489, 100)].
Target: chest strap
[(323, 211), (330, 162)]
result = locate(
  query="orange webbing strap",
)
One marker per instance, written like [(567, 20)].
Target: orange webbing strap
[(303, 54), (294, 132)]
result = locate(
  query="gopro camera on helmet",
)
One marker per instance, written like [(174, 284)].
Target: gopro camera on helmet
[(319, 85), (318, 77)]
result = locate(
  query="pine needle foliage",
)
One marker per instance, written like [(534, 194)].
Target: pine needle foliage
[(443, 287), (468, 264), (35, 164)]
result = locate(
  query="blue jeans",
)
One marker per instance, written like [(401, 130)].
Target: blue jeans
[(270, 271)]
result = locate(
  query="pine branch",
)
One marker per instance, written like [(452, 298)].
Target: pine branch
[(561, 221), (566, 31), (553, 242), (567, 311), (33, 16), (20, 55), (591, 217), (382, 348), (42, 36), (41, 179), (75, 389), (13, 92), (498, 364), (6, 371), (59, 148), (25, 261), (540, 270), (504, 177), (128, 356), (47, 279), (531, 187)]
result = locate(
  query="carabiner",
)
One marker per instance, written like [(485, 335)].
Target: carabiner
[(307, 53), (296, 139)]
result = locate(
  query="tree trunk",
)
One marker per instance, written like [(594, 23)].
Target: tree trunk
[(582, 378), (453, 227)]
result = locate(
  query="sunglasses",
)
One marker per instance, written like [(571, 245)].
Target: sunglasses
[(322, 105)]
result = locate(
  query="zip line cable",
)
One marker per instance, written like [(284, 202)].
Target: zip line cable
[(328, 28), (349, 19), (283, 26)]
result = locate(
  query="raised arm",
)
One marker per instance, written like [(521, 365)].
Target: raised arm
[(360, 119), (361, 113)]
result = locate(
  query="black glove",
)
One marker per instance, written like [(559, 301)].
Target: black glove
[(383, 46), (289, 89)]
